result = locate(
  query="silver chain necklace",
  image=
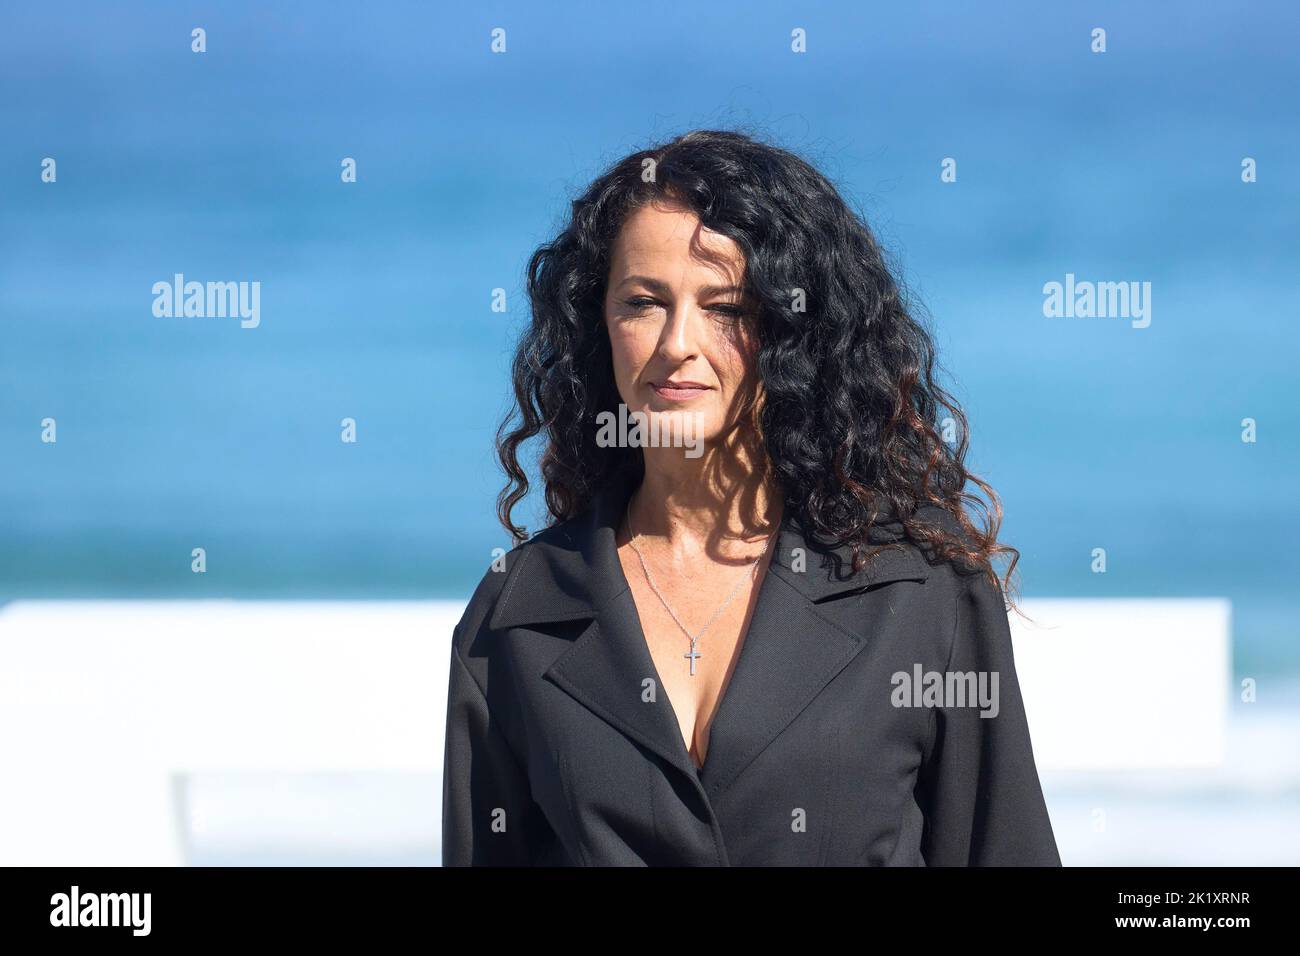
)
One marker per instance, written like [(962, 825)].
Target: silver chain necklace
[(692, 655)]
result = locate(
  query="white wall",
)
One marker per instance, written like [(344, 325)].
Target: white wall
[(142, 733)]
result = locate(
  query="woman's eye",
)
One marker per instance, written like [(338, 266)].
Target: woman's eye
[(731, 313), (730, 316)]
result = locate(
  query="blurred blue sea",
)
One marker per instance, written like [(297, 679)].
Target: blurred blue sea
[(376, 296)]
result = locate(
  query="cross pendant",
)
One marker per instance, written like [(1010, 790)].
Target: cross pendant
[(692, 655)]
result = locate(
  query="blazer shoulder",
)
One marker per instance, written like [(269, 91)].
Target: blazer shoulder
[(952, 572), (487, 594), (501, 576)]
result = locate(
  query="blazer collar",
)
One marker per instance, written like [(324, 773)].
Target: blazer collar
[(797, 643), (568, 571)]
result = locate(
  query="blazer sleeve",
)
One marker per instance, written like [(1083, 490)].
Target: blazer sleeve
[(488, 815), (978, 786)]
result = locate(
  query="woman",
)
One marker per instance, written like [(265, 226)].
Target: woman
[(744, 637)]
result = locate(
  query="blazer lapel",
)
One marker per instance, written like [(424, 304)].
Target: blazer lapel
[(573, 573), (794, 647), (792, 650)]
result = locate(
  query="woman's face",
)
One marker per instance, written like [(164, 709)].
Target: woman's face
[(677, 324)]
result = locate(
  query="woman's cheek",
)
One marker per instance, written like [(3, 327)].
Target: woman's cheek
[(625, 364)]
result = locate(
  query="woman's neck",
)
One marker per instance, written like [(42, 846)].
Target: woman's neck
[(721, 503)]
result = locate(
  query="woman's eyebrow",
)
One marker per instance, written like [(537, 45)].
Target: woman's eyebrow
[(662, 287)]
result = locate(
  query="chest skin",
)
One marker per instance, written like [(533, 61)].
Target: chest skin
[(694, 597)]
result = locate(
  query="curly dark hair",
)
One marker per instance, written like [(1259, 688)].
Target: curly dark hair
[(850, 406)]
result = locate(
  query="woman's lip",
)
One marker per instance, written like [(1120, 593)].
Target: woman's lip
[(678, 390)]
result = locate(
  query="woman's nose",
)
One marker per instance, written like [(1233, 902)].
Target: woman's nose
[(677, 340)]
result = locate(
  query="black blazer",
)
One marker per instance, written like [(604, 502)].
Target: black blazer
[(563, 749)]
